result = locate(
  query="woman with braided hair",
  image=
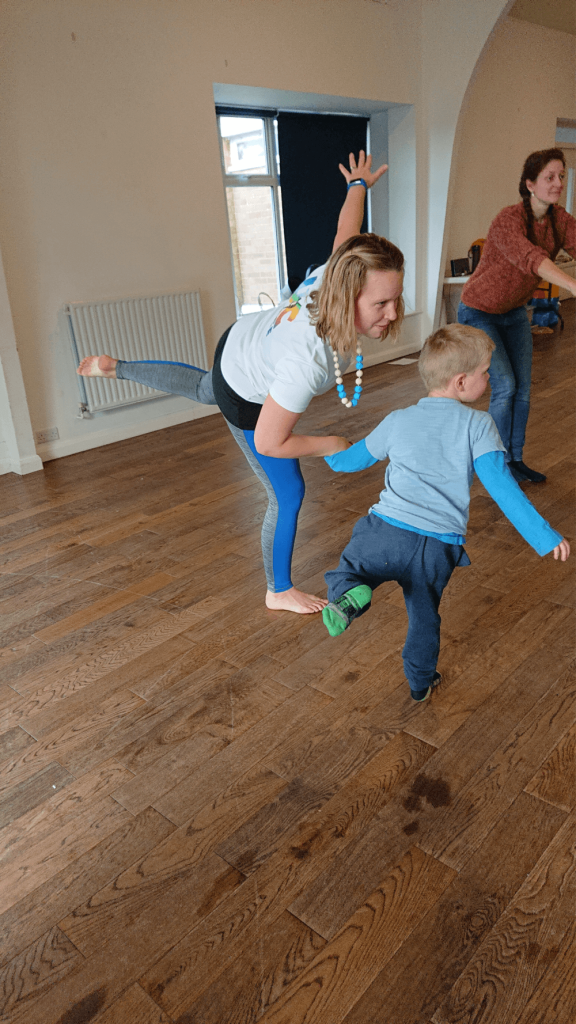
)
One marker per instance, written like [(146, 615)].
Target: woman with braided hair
[(522, 244)]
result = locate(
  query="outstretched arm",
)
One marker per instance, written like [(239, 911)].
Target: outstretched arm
[(352, 212), (551, 273), (352, 460), (273, 435), (492, 470)]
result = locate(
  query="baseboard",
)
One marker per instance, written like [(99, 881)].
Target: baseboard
[(29, 464), (97, 439), (399, 350)]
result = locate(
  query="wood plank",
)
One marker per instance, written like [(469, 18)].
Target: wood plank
[(52, 603), (150, 784), (334, 664), (33, 791), (468, 683), (225, 704), (341, 724), (38, 911), (511, 960), (99, 980), (448, 936), (415, 808), (554, 998), (87, 645), (339, 974), (184, 973), (191, 793), (456, 833), (96, 921), (34, 971), (39, 843), (382, 763), (97, 610), (257, 979), (134, 1007), (178, 862), (153, 673), (555, 780), (109, 659), (13, 741)]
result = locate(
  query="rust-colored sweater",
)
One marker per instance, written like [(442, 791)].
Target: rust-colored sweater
[(507, 273)]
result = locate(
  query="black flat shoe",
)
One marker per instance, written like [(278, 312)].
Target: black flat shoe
[(524, 472), (422, 695)]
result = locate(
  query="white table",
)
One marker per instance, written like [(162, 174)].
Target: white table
[(451, 292)]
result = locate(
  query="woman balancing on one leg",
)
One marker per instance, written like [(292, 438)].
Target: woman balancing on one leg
[(269, 365), (522, 243)]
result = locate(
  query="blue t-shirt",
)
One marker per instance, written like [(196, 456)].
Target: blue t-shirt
[(431, 447), (465, 441)]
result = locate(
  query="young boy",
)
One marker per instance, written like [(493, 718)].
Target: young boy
[(415, 532)]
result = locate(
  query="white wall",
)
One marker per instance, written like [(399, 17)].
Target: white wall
[(109, 170), (524, 82), (17, 451)]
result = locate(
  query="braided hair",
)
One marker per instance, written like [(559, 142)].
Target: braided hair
[(534, 164)]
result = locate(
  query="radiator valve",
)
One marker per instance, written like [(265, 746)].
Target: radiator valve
[(83, 414)]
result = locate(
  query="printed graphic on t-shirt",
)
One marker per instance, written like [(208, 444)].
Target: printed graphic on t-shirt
[(293, 307)]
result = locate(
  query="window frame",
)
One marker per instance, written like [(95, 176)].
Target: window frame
[(271, 180)]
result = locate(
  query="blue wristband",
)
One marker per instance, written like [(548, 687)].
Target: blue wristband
[(357, 181)]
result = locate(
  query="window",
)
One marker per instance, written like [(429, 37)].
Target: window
[(251, 174)]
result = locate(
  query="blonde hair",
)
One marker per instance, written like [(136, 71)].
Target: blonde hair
[(332, 307), (453, 349)]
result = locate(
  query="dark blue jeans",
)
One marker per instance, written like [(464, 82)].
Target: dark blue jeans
[(377, 552), (510, 371)]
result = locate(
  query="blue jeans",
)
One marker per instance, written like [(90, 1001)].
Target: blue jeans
[(378, 551), (510, 371)]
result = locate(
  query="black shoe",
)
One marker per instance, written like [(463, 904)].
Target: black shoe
[(422, 695), (525, 473)]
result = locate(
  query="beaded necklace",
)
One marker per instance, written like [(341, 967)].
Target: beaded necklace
[(349, 402)]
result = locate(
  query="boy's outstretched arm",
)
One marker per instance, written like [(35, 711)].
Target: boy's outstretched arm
[(352, 460), (493, 472)]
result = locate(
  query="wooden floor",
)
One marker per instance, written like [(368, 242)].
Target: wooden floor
[(216, 814)]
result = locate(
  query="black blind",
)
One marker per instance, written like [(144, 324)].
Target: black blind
[(313, 189)]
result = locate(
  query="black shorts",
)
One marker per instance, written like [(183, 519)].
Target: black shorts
[(239, 412)]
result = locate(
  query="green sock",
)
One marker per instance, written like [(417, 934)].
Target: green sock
[(338, 615)]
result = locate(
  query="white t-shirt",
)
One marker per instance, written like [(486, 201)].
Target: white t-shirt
[(278, 353)]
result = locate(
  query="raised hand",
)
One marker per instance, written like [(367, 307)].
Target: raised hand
[(361, 168)]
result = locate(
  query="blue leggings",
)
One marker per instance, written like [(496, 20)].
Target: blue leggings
[(282, 478)]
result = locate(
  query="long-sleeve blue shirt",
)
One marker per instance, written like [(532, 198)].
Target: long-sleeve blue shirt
[(433, 450)]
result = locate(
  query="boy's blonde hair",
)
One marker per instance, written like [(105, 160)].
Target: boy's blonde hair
[(453, 349), (332, 308)]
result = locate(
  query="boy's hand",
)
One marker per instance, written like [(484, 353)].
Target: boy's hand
[(362, 169), (562, 551)]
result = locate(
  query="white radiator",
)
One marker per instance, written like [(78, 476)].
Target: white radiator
[(167, 327)]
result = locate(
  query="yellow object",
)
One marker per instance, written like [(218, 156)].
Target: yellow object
[(545, 290)]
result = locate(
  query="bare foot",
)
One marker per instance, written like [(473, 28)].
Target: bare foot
[(97, 366), (295, 601)]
